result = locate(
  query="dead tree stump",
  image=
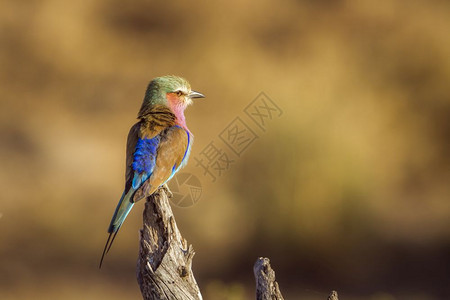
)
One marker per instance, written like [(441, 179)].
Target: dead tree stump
[(164, 267), (266, 286), (333, 296)]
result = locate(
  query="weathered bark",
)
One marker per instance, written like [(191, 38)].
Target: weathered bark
[(333, 296), (266, 286), (165, 259)]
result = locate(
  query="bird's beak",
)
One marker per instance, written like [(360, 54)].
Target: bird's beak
[(194, 94)]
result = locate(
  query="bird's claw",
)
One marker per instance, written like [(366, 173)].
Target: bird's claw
[(166, 189)]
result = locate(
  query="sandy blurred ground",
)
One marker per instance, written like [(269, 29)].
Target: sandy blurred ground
[(348, 189)]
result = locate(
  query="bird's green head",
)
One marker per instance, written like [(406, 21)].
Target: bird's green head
[(170, 90)]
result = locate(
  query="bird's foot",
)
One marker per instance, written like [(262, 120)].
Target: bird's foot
[(166, 189)]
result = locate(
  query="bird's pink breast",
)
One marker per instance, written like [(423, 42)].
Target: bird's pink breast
[(177, 106)]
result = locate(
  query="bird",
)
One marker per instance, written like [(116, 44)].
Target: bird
[(158, 145)]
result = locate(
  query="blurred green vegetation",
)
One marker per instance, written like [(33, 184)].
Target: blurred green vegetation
[(347, 190)]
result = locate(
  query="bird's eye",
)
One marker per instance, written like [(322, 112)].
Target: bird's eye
[(179, 93)]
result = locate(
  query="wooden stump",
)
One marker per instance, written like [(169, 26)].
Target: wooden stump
[(266, 286), (164, 267)]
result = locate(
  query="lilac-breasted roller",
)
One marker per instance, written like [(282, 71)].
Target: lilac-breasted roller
[(157, 146)]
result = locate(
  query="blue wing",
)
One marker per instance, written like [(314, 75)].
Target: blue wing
[(144, 160)]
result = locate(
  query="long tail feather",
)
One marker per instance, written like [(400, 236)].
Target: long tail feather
[(104, 251), (112, 241), (123, 208)]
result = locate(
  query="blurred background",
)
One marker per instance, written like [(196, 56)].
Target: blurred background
[(348, 189)]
